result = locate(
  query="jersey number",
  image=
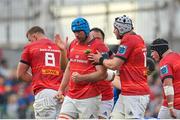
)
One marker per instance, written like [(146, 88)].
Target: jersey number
[(49, 59)]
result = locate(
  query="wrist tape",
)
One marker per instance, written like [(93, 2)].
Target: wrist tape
[(168, 90), (111, 75)]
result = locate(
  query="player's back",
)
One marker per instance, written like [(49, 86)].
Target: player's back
[(44, 59)]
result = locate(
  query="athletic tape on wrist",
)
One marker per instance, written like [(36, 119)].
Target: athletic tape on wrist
[(111, 75), (170, 103), (168, 90)]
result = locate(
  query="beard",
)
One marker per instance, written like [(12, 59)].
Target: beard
[(82, 40), (119, 37)]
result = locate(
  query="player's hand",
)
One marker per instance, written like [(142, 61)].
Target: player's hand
[(173, 113), (60, 43), (59, 97), (94, 58), (76, 76)]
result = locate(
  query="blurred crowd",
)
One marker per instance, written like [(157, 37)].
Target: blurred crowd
[(16, 97), (156, 95)]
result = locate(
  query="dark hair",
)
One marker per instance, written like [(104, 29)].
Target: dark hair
[(35, 29), (160, 45), (98, 30)]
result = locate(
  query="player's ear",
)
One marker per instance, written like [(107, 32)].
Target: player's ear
[(35, 36)]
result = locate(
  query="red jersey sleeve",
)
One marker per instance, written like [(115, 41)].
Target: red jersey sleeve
[(165, 71), (25, 56), (125, 48)]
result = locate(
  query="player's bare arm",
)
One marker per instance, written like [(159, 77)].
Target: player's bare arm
[(169, 93), (66, 79), (100, 74), (113, 63), (63, 85), (116, 82), (23, 73)]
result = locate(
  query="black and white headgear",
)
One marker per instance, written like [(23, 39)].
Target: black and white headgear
[(123, 24)]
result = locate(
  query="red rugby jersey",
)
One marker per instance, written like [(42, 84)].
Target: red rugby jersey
[(79, 63), (43, 56), (106, 90), (133, 75), (170, 67)]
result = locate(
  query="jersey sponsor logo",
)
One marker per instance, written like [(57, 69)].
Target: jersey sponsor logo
[(79, 61), (122, 49), (50, 72), (48, 50), (164, 69)]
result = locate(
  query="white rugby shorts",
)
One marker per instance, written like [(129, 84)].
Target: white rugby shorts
[(45, 105)]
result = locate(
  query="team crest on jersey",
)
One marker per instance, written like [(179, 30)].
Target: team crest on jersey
[(164, 69), (122, 49)]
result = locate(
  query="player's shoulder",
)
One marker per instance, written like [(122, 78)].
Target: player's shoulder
[(171, 57), (166, 60), (45, 42), (135, 40), (133, 36), (74, 42), (38, 43), (173, 54), (48, 42), (29, 45)]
